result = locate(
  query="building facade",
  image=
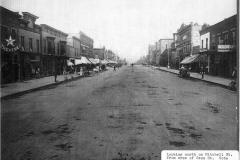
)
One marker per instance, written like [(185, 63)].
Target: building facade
[(31, 52), (86, 45), (163, 52), (188, 42), (221, 48), (152, 54), (174, 59), (99, 53), (10, 46), (53, 50)]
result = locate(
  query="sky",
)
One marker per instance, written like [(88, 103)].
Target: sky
[(126, 27)]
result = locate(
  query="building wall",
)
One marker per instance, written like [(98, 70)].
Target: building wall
[(11, 71), (57, 40), (86, 45), (70, 51), (99, 52), (205, 41), (35, 36)]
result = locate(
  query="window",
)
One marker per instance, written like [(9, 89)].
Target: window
[(30, 45), (206, 43), (22, 42), (233, 38), (49, 47), (44, 45), (62, 49), (166, 45), (213, 43), (4, 32), (202, 43), (226, 38), (14, 34), (219, 40), (37, 45), (58, 48)]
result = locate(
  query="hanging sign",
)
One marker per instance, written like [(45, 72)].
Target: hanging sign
[(10, 47)]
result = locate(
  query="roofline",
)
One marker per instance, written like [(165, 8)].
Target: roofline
[(36, 17), (44, 25)]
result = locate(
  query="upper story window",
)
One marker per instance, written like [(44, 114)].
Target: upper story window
[(49, 46), (22, 42), (30, 45), (206, 43), (37, 43), (58, 48), (4, 33), (233, 38), (14, 33), (226, 38), (202, 43), (62, 49), (213, 43), (219, 40), (44, 46)]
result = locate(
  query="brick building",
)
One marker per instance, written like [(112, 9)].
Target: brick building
[(86, 45), (53, 50), (31, 55), (188, 43), (10, 47), (99, 53), (218, 47), (152, 54), (162, 56)]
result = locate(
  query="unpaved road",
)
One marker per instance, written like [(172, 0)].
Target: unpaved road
[(133, 113)]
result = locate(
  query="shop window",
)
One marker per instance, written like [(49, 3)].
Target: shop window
[(233, 38), (30, 45), (37, 41), (44, 45)]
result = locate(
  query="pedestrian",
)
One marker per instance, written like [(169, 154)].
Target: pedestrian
[(202, 71), (114, 68), (234, 74), (55, 75)]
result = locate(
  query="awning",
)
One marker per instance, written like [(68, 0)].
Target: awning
[(103, 61), (92, 60), (69, 63), (190, 59), (83, 60)]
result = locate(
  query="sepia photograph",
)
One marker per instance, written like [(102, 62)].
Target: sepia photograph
[(119, 79)]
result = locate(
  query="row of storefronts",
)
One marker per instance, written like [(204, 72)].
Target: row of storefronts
[(30, 51), (211, 47)]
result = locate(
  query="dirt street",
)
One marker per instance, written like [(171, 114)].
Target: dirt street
[(133, 113)]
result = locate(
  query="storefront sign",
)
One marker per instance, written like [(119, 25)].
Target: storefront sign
[(10, 46), (226, 48), (10, 49)]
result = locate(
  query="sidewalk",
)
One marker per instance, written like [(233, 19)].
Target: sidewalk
[(211, 79), (18, 88)]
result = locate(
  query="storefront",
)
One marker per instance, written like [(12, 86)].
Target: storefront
[(10, 62), (223, 61), (48, 62)]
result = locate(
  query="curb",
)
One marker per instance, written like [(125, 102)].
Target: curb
[(37, 89), (221, 85)]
